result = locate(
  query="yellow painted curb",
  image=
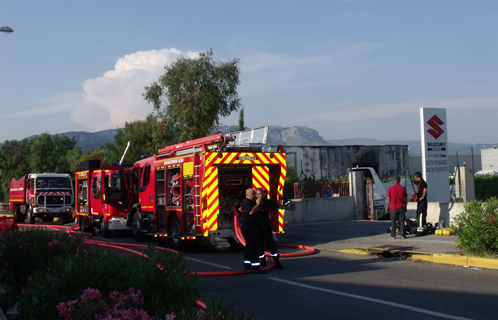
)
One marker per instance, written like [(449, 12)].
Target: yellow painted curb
[(450, 259), (362, 251), (421, 256), (483, 263)]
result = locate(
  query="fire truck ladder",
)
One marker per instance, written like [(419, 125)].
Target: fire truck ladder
[(197, 145), (197, 190), (217, 142)]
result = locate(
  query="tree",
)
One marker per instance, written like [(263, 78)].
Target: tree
[(242, 125), (193, 94), (13, 163), (44, 153), (99, 154), (146, 137), (48, 154), (72, 157)]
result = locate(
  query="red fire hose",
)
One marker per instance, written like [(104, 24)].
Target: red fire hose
[(121, 246), (240, 237)]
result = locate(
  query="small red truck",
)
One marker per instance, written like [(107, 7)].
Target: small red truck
[(42, 195), (104, 197)]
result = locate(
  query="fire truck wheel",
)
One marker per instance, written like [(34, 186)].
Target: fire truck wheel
[(20, 216), (81, 223), (104, 228), (174, 233), (65, 219), (31, 215), (136, 227)]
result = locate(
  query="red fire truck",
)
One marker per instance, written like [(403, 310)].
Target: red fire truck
[(186, 191), (104, 195), (42, 195)]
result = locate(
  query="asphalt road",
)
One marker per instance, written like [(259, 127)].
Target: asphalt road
[(334, 285)]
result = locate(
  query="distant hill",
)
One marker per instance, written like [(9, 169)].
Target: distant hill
[(287, 136), (88, 140), (297, 135)]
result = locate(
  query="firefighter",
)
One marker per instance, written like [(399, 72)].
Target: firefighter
[(421, 202), (266, 231), (250, 231)]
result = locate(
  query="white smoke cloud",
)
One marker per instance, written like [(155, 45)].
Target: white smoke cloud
[(116, 97)]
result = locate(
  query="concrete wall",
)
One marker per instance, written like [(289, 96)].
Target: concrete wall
[(343, 208), (464, 183), (333, 162), (437, 211), (321, 209)]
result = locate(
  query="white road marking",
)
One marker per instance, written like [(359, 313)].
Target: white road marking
[(354, 296), (209, 263)]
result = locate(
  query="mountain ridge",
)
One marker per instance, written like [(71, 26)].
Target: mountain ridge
[(286, 136)]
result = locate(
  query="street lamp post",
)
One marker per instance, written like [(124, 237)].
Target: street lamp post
[(6, 29)]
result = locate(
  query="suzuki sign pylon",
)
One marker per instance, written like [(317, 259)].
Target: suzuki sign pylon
[(434, 131)]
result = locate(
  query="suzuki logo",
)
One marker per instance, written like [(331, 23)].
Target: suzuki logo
[(435, 124)]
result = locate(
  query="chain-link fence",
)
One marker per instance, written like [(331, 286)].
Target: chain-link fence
[(483, 164), (481, 161)]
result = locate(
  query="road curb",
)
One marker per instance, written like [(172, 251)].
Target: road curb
[(440, 258)]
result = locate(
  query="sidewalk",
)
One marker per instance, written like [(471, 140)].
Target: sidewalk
[(371, 238)]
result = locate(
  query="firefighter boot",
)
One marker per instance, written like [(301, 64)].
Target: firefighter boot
[(247, 265), (257, 270), (276, 259), (262, 261)]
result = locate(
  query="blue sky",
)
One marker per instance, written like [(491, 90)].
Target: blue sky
[(348, 69)]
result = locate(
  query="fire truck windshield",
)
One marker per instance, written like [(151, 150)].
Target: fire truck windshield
[(115, 188), (117, 181), (53, 183)]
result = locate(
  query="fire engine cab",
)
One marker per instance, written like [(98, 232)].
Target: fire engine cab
[(103, 197), (187, 190), (42, 195)]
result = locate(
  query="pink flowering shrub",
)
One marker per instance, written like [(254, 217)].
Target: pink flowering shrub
[(57, 276), (29, 250), (477, 228), (118, 306), (92, 305)]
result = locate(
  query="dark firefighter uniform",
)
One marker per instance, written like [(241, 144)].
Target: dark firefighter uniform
[(250, 230), (266, 234)]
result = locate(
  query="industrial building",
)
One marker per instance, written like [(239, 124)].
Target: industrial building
[(333, 162)]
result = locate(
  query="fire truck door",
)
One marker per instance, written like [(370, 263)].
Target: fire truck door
[(277, 189), (174, 181), (146, 189), (96, 193), (82, 202), (30, 191), (268, 178), (261, 178)]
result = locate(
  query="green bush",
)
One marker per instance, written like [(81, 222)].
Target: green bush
[(486, 186), (44, 269), (477, 228)]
